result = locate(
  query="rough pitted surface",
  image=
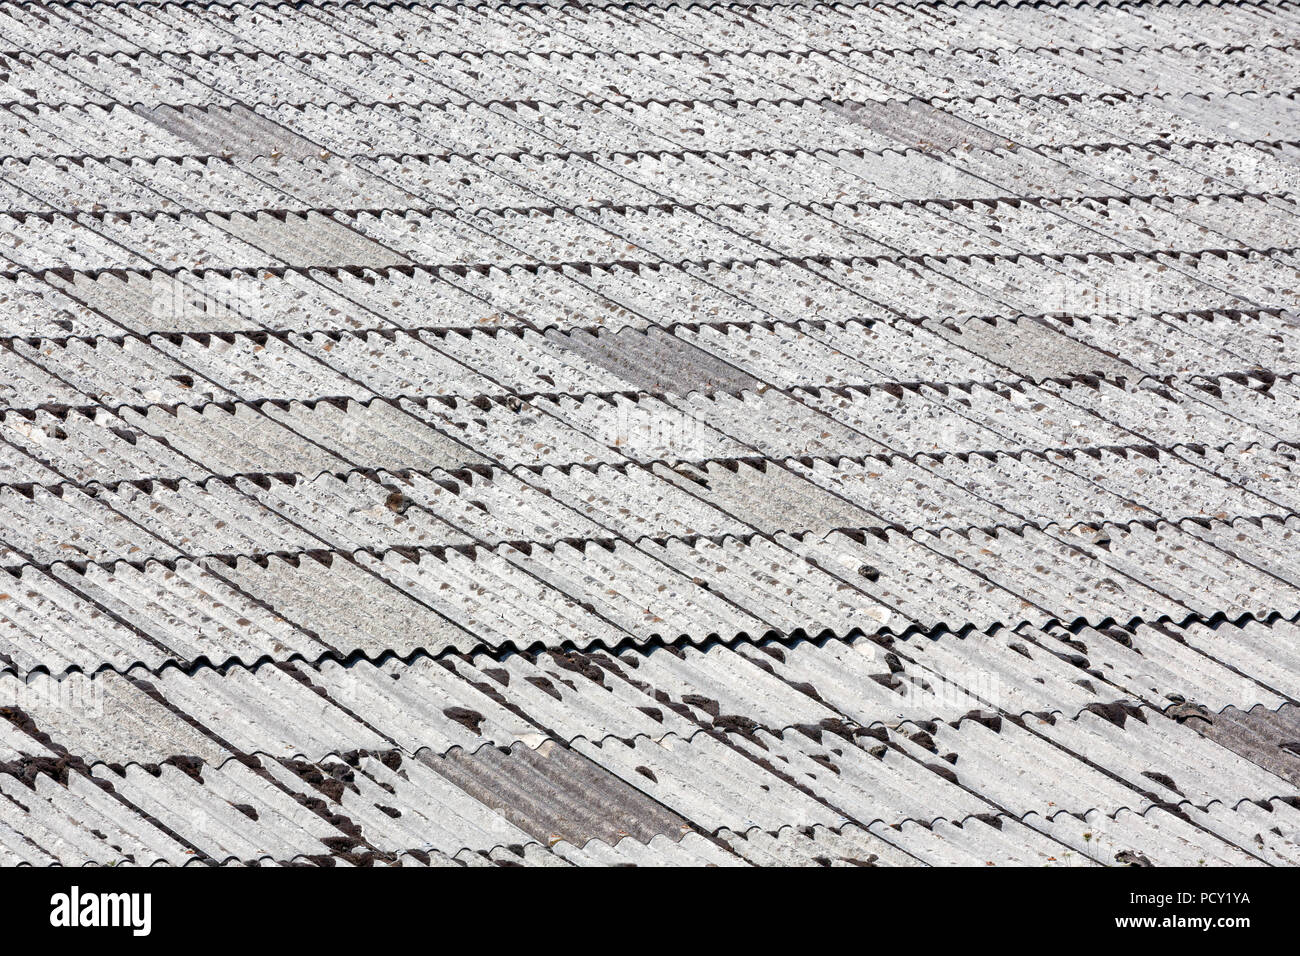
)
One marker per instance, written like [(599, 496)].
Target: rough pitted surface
[(751, 433)]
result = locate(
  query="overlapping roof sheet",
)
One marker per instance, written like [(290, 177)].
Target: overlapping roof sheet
[(593, 433)]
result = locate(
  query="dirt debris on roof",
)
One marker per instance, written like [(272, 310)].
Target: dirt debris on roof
[(728, 434)]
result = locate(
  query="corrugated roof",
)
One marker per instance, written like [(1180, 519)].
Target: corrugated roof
[(767, 433)]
